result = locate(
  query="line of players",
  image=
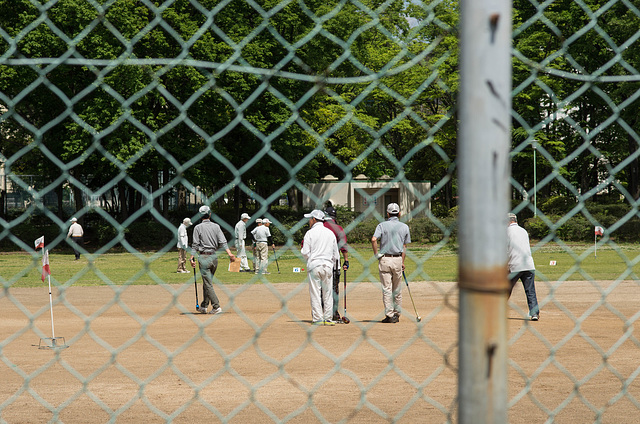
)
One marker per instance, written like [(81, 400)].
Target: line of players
[(322, 245)]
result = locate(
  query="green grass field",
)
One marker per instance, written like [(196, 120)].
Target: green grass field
[(424, 263)]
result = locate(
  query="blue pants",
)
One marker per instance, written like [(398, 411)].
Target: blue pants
[(527, 278), (77, 241)]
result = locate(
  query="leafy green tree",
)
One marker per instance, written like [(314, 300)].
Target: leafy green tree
[(577, 111), (132, 127)]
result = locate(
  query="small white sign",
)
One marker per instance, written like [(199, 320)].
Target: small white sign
[(552, 263), (296, 269)]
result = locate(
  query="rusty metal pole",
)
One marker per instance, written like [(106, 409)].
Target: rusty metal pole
[(484, 171)]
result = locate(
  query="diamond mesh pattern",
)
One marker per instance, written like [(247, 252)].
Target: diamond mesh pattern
[(120, 106)]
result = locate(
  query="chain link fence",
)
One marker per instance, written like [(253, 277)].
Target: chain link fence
[(132, 114)]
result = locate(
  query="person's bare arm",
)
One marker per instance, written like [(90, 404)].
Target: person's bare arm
[(374, 245), (232, 257)]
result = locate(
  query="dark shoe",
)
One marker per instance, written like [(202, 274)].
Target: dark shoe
[(391, 320), (336, 317)]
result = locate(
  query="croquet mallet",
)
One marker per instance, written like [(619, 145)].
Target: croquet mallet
[(276, 257), (344, 315), (418, 318)]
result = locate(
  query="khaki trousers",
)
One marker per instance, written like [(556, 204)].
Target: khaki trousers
[(390, 270)]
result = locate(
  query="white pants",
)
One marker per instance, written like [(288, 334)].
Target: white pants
[(321, 278), (242, 254)]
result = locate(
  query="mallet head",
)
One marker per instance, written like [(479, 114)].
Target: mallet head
[(418, 318)]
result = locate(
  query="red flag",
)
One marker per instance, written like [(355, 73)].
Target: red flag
[(599, 231), (45, 265), (39, 243)]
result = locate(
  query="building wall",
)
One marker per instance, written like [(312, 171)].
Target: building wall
[(371, 196)]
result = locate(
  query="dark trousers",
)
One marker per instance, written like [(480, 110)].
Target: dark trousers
[(77, 241), (527, 278), (208, 266)]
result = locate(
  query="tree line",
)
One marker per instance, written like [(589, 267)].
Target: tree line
[(252, 100)]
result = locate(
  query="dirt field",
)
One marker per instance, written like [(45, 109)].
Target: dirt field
[(142, 353)]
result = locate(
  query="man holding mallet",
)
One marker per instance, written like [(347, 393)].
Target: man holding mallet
[(331, 222), (207, 239), (320, 249), (394, 237), (262, 236)]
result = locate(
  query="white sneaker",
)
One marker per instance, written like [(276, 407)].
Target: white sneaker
[(203, 310), (215, 311)]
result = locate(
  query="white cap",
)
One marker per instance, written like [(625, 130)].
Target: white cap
[(259, 221), (393, 208), (186, 221), (245, 216), (74, 219), (317, 214), (204, 210)]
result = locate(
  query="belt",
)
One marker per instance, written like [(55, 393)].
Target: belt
[(262, 241), (207, 253), (389, 255)]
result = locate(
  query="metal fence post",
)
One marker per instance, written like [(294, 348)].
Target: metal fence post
[(484, 170)]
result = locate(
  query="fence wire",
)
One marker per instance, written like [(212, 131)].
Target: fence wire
[(134, 113)]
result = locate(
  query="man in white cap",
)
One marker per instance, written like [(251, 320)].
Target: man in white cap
[(262, 237), (207, 239), (320, 249), (521, 266), (394, 237), (76, 233), (183, 245), (241, 235), (267, 223), (255, 249)]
